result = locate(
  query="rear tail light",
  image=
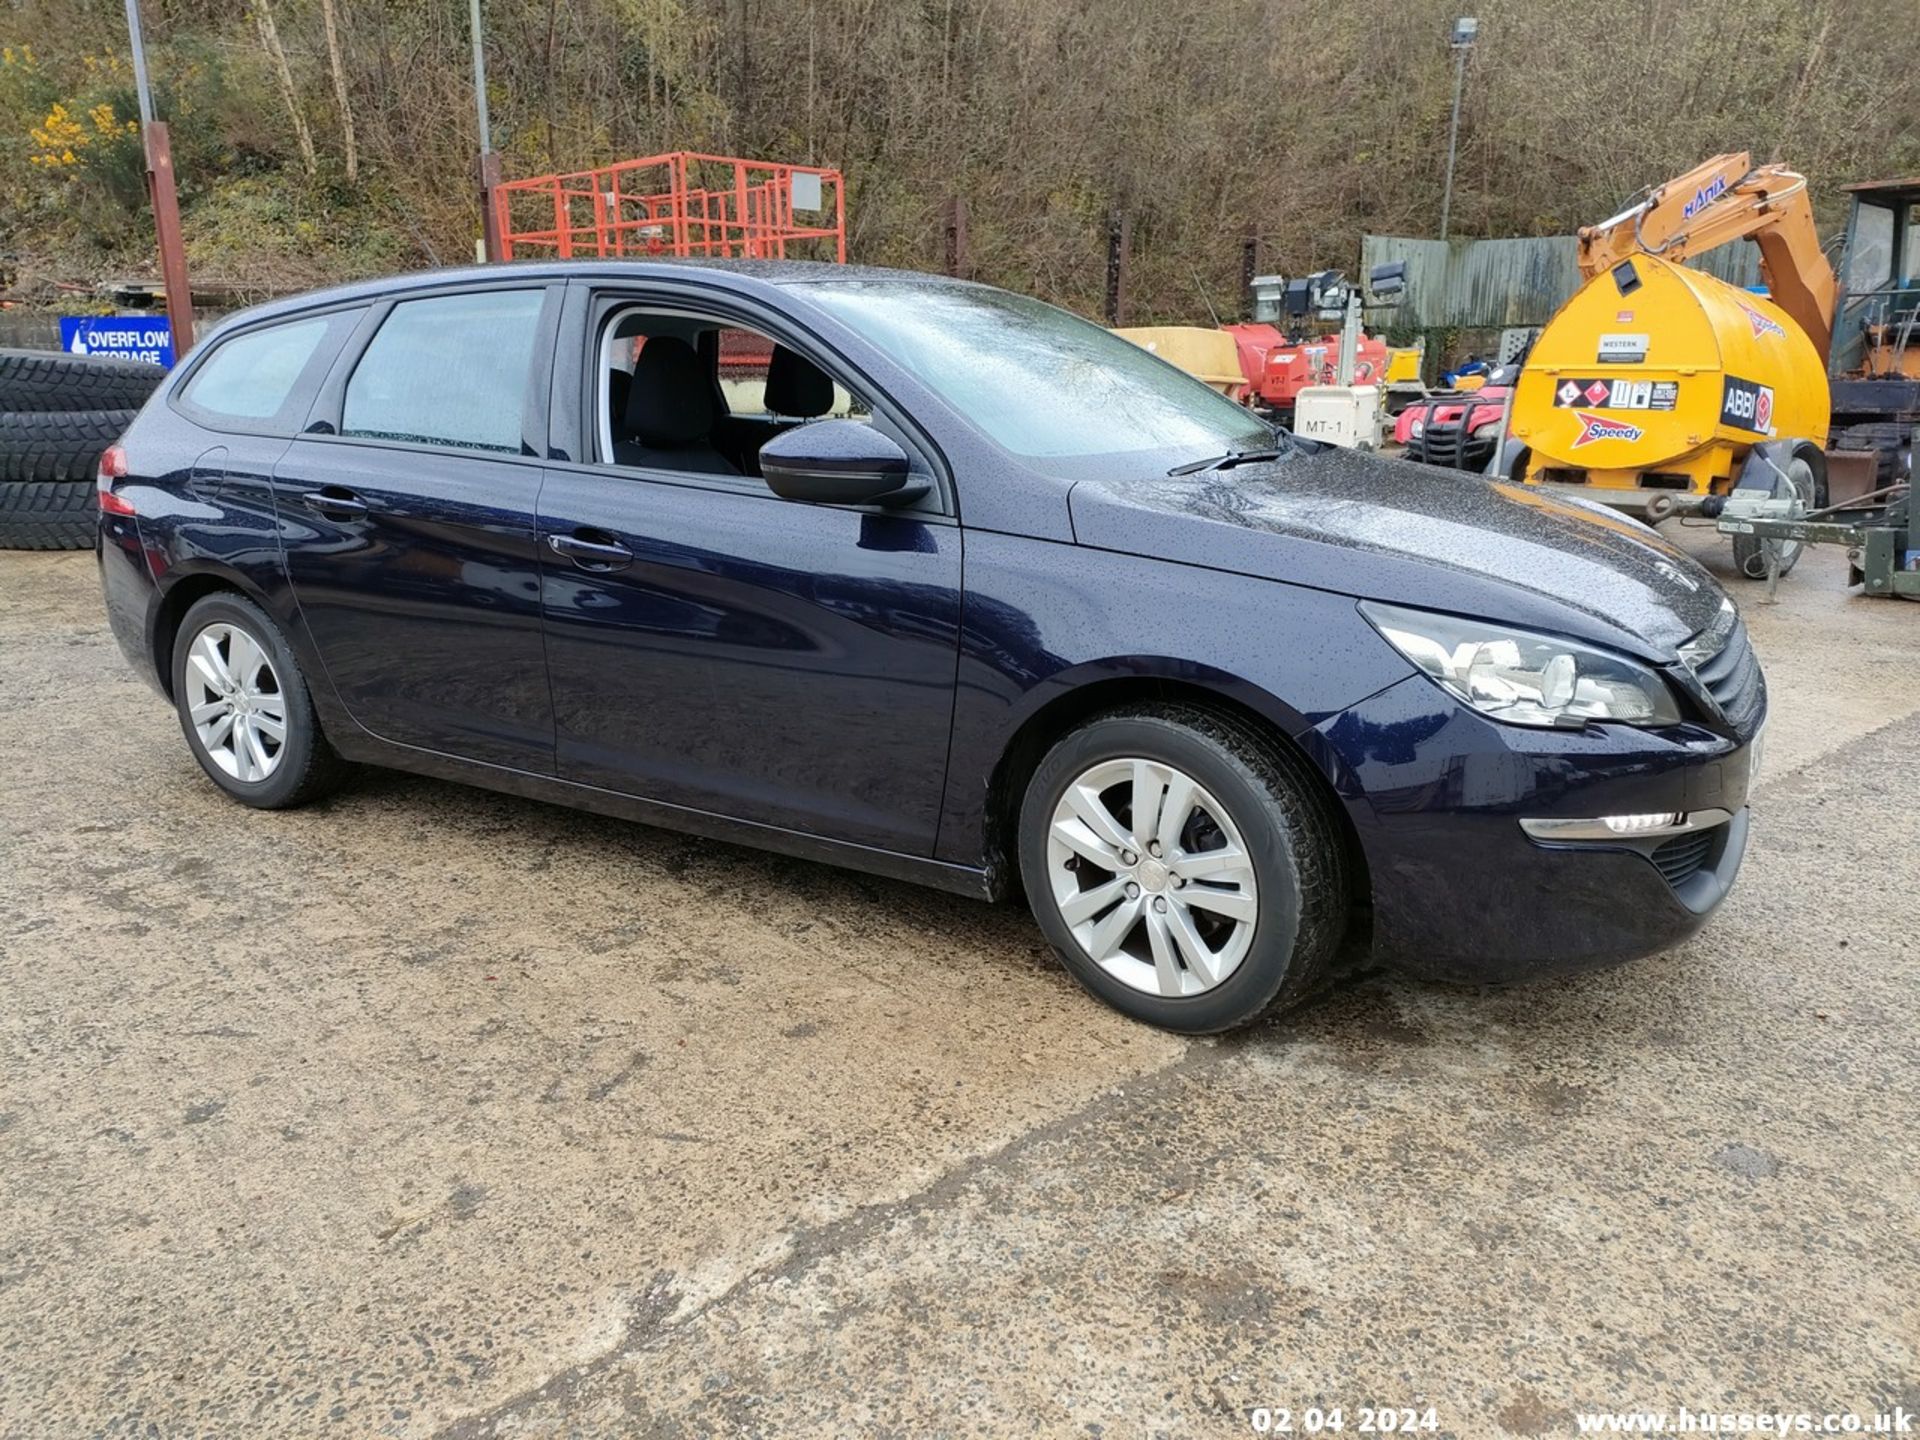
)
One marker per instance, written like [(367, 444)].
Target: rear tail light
[(113, 466)]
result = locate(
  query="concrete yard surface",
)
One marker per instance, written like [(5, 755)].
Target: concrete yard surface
[(427, 1111)]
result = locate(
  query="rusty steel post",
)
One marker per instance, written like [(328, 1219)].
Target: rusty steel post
[(166, 225), (1119, 232), (489, 212), (162, 195), (959, 263)]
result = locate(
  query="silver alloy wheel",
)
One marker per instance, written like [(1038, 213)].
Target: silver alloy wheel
[(234, 698), (1152, 876)]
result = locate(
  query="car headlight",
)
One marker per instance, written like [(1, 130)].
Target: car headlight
[(1521, 677)]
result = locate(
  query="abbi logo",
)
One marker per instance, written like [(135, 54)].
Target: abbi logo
[(1603, 427)]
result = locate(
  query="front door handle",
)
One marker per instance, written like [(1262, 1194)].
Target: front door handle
[(600, 556), (336, 503)]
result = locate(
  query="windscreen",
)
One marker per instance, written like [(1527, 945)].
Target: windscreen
[(1042, 383)]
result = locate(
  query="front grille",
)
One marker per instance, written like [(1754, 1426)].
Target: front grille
[(1680, 858), (1729, 672), (1451, 444)]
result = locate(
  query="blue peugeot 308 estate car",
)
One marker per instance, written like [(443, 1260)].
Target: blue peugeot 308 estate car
[(943, 583)]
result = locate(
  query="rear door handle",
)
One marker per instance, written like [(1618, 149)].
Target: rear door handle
[(336, 503), (601, 556)]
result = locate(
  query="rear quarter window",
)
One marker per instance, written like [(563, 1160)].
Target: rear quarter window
[(447, 370), (248, 380)]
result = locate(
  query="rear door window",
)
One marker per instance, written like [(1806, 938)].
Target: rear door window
[(252, 376), (448, 370)]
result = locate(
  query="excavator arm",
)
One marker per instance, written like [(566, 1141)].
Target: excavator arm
[(1727, 198)]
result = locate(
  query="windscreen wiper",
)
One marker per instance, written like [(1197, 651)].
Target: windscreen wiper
[(1231, 459)]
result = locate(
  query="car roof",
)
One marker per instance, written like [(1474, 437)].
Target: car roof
[(765, 272)]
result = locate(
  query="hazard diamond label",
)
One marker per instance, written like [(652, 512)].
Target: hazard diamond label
[(1576, 391)]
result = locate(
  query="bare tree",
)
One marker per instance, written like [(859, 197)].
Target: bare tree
[(283, 74), (331, 21)]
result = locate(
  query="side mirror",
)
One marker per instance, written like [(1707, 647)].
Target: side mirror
[(838, 462)]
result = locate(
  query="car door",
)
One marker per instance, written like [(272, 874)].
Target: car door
[(408, 510), (715, 647)]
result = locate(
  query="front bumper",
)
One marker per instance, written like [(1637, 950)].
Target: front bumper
[(1461, 892)]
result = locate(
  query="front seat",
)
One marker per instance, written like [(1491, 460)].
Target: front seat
[(796, 387), (670, 412)]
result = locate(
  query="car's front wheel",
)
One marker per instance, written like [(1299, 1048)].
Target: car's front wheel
[(1186, 867), (244, 706)]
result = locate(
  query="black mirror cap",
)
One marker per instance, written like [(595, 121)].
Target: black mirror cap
[(838, 462)]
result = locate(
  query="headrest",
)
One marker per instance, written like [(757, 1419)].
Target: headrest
[(796, 386), (669, 402)]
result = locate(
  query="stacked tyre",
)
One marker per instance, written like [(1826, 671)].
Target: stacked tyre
[(57, 413)]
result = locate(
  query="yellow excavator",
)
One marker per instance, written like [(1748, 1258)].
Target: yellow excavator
[(1658, 389)]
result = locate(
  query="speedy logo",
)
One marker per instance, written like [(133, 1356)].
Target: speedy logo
[(1603, 427), (1763, 325), (1704, 197)]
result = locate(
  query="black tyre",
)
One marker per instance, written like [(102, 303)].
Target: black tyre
[(53, 380), (58, 445), (245, 709), (55, 515), (1227, 902)]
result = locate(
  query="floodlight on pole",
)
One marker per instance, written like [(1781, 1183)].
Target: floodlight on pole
[(1466, 30)]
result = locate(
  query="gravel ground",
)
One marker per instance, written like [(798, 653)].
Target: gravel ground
[(428, 1111)]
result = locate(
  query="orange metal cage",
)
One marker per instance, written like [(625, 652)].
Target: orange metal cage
[(680, 203)]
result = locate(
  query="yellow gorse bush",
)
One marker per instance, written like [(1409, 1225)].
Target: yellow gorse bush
[(63, 140)]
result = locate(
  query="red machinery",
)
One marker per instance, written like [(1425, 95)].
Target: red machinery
[(1278, 368), (1456, 429), (681, 204)]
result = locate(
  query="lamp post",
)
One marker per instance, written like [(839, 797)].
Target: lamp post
[(1465, 30)]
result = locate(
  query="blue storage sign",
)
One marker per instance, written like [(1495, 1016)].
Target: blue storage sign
[(131, 337)]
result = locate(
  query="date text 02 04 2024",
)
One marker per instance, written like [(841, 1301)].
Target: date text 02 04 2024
[(1336, 1420)]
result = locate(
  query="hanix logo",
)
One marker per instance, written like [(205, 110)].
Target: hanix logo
[(1603, 427), (1704, 197)]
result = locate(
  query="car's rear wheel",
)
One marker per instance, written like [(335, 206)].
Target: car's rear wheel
[(245, 709), (1186, 867)]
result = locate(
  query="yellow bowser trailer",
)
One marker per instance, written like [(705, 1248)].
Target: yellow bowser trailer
[(1661, 390), (1652, 388)]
